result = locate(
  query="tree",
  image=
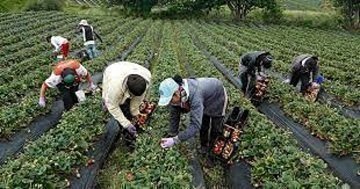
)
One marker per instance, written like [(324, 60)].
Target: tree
[(191, 6), (350, 9), (138, 7), (240, 8), (326, 5)]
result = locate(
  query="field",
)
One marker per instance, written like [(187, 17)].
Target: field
[(302, 4), (58, 156)]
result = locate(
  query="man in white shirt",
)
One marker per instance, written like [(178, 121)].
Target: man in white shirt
[(61, 45)]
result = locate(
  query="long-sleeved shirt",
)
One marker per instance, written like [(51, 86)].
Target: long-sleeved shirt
[(207, 97), (115, 90), (298, 65), (57, 41), (250, 60)]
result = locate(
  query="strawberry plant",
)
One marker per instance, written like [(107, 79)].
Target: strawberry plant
[(48, 161), (260, 137), (298, 108)]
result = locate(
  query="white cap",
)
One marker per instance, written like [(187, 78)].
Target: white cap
[(83, 22)]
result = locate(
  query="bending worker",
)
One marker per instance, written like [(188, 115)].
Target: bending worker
[(62, 46), (204, 98), (249, 64), (125, 82), (66, 76), (305, 68)]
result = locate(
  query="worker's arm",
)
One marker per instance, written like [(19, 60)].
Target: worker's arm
[(43, 89), (112, 101), (54, 43), (315, 72), (98, 36), (196, 114), (81, 71)]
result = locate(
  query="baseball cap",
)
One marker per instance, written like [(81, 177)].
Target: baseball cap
[(167, 89)]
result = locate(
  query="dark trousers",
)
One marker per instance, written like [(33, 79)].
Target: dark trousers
[(303, 77), (68, 95), (211, 127)]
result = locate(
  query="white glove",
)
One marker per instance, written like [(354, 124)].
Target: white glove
[(92, 86), (286, 81), (42, 102)]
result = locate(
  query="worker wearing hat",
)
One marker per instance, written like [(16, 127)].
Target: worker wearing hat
[(305, 68), (88, 35), (124, 88), (204, 98), (250, 63), (66, 76)]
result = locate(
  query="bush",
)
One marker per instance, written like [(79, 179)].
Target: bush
[(43, 5)]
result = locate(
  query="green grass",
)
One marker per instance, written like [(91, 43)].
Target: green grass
[(302, 4), (12, 5)]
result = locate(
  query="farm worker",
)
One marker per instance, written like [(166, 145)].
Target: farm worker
[(305, 69), (61, 45), (66, 76), (125, 84), (206, 101), (89, 35), (250, 63)]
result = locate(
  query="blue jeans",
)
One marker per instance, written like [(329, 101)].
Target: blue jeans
[(91, 50)]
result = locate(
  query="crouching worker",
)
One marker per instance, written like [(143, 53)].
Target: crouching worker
[(204, 98), (62, 46), (250, 63), (305, 69), (66, 76), (124, 88)]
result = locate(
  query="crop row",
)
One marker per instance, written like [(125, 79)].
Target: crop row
[(15, 35), (318, 117), (337, 84), (22, 21), (276, 160), (286, 49), (48, 161), (33, 46), (29, 81), (24, 64), (30, 46), (23, 112), (152, 166), (49, 26)]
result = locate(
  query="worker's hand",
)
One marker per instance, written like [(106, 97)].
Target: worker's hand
[(167, 142), (132, 129), (42, 102), (92, 86)]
